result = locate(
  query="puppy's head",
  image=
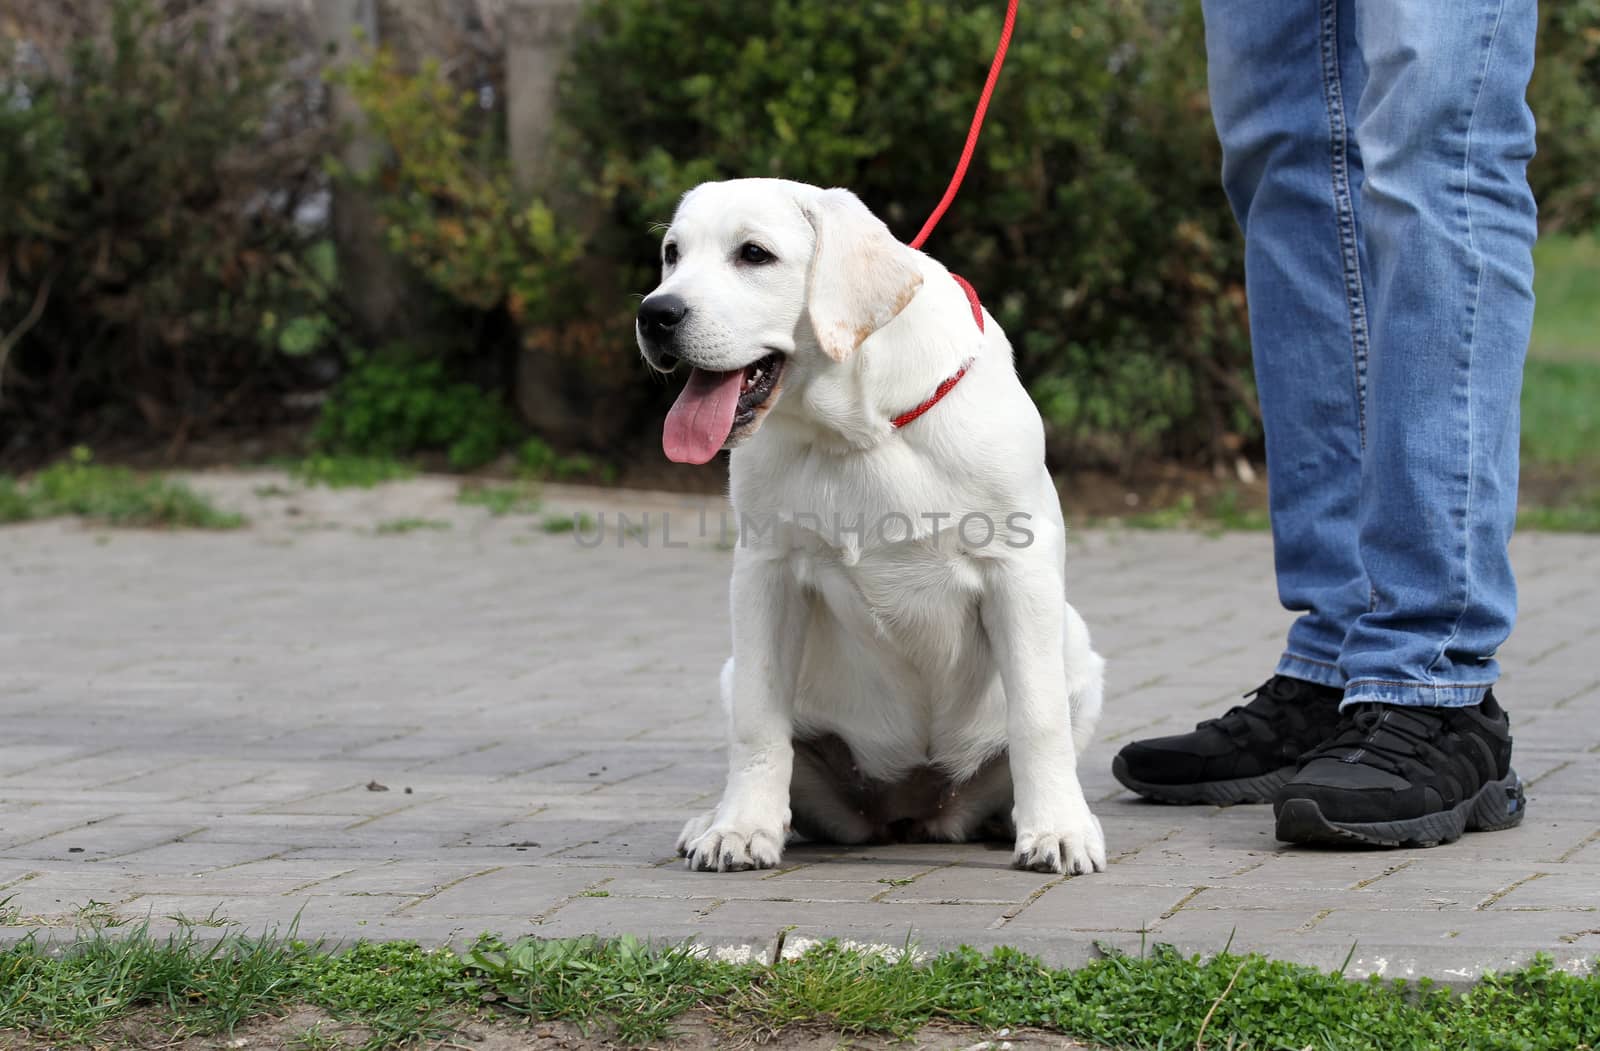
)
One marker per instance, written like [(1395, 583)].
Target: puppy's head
[(759, 276)]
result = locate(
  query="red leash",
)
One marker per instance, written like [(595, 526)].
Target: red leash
[(950, 195), (977, 126)]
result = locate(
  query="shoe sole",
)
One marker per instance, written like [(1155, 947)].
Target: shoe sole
[(1260, 789), (1498, 805)]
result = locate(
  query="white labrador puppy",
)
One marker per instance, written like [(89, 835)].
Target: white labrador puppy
[(904, 666)]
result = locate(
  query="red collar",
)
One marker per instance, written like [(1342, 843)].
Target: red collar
[(948, 385)]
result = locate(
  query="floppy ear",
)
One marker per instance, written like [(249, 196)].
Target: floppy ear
[(861, 275)]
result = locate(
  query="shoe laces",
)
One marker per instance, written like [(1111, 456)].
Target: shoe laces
[(1266, 708), (1381, 735)]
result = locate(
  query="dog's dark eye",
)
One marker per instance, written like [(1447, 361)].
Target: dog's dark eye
[(750, 252), (670, 254)]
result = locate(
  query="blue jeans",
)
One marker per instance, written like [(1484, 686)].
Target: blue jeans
[(1375, 154)]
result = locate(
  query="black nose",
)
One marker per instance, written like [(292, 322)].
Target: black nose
[(659, 315)]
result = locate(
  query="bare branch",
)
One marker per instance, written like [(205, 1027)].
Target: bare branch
[(12, 338)]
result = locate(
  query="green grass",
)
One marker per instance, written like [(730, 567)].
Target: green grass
[(345, 471), (1566, 282), (112, 496), (621, 985), (1561, 413), (100, 979), (501, 500), (622, 989), (1560, 406), (536, 459), (398, 990), (1225, 511), (214, 918), (401, 526), (1579, 514), (1561, 387), (557, 525), (318, 1038)]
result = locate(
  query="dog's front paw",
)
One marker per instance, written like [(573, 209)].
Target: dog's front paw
[(693, 829), (731, 847), (1074, 847)]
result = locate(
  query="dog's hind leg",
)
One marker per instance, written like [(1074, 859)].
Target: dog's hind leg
[(977, 809), (825, 808), (1085, 679)]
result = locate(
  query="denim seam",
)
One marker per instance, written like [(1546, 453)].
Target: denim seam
[(1472, 335), (1292, 655), (1353, 683), (1344, 207)]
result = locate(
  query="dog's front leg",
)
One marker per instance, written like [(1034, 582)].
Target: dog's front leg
[(1023, 616), (749, 826)]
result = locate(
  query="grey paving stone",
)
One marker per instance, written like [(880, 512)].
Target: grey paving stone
[(1269, 930), (985, 884), (1088, 904), (98, 842), (317, 914), (880, 923), (276, 875), (1570, 888), (670, 920), (193, 855), (205, 730), (522, 891), (676, 882)]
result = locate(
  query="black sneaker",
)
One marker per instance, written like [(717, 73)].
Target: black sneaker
[(1243, 757), (1405, 777)]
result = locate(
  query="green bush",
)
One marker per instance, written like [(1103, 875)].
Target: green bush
[(536, 459), (451, 211), (403, 402), (446, 197), (153, 280), (1092, 222), (1565, 96)]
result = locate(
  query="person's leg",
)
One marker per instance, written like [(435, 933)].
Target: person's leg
[(1424, 749), (1284, 78), (1449, 222)]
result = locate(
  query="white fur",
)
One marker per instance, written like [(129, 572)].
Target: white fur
[(917, 650)]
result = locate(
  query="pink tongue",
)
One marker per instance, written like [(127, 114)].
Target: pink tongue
[(701, 418)]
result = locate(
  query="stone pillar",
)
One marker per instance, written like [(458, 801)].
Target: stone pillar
[(537, 33), (376, 285), (554, 392), (416, 30)]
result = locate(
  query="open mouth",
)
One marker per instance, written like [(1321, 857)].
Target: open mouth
[(715, 406), (760, 380)]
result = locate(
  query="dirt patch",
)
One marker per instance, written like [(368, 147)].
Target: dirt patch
[(1556, 486), (1087, 496), (1097, 495), (309, 1029)]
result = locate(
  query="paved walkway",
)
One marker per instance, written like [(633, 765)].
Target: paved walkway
[(433, 733)]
